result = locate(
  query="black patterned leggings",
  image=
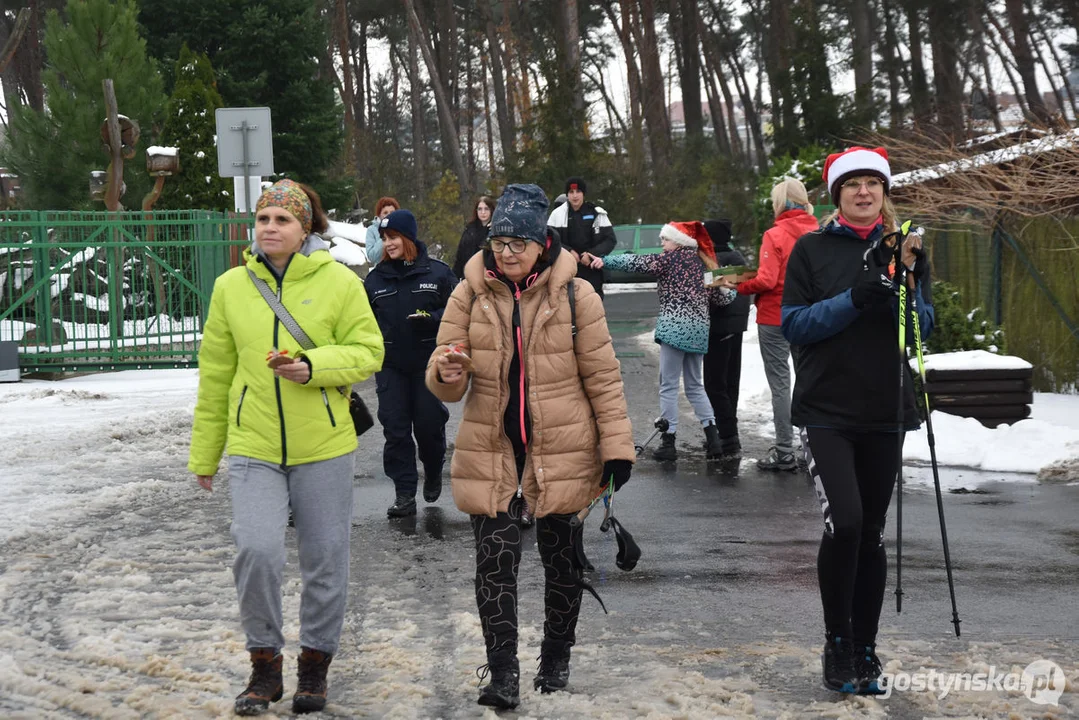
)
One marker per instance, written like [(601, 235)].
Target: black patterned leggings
[(498, 556)]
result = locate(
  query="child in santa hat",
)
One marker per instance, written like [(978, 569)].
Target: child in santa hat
[(682, 325)]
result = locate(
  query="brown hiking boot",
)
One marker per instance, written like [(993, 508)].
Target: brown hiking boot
[(311, 687), (265, 685)]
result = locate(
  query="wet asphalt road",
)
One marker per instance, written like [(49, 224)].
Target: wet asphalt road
[(729, 553)]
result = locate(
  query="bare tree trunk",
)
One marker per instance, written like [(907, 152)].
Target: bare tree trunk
[(946, 83), (978, 28), (690, 66), (571, 49), (342, 30), (358, 52), (1063, 72), (653, 96), (419, 130), (1000, 43), (863, 60), (487, 115), (892, 63), (503, 111), (470, 103), (919, 84), (1024, 60), (442, 101)]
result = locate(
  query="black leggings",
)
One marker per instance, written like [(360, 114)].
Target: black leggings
[(854, 473), (498, 556)]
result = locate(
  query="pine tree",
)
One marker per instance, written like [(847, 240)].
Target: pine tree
[(54, 151), (190, 126), (265, 54)]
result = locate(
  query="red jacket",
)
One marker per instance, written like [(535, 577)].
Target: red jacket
[(775, 251)]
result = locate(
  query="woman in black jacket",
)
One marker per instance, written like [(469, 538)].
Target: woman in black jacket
[(475, 235), (840, 314)]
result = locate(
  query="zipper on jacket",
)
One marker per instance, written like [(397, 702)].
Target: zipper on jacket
[(521, 373), (277, 386), (240, 405), (326, 402)]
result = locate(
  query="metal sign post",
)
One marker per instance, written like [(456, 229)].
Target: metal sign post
[(244, 147)]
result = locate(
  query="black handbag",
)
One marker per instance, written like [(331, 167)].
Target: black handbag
[(361, 416)]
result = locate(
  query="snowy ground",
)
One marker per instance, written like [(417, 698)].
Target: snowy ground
[(116, 597)]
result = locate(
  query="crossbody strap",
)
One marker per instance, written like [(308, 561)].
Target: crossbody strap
[(285, 317)]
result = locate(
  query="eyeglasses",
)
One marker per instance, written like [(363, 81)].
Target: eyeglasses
[(516, 246), (871, 184)]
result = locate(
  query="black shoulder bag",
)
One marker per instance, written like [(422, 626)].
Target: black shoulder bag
[(361, 416)]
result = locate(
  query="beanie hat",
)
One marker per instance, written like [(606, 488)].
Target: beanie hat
[(854, 162), (691, 235), (521, 213), (719, 231), (576, 183), (403, 221), (288, 196)]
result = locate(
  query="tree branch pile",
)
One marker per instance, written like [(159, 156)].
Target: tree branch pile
[(1029, 179)]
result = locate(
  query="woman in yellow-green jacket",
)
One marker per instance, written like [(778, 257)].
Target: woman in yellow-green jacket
[(288, 431)]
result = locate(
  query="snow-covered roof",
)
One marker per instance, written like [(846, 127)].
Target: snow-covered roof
[(995, 157), (159, 150)]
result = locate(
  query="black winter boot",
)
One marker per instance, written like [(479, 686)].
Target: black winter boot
[(553, 671), (504, 690), (869, 668), (837, 661), (311, 683), (265, 686), (432, 482), (713, 446), (666, 449), (403, 506)]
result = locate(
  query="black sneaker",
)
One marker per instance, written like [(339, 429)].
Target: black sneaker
[(666, 449), (869, 669), (403, 506), (504, 690), (776, 460), (527, 518), (837, 661), (553, 673), (432, 483)]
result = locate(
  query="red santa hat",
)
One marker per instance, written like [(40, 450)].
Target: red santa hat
[(690, 234), (855, 162)]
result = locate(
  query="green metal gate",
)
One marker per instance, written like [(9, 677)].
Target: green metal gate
[(107, 291)]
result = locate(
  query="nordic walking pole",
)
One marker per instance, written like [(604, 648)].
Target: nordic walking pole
[(901, 275), (933, 460)]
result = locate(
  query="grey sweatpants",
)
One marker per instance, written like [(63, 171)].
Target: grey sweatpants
[(776, 351), (321, 497), (689, 367)]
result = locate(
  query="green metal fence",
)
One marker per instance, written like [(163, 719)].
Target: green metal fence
[(102, 291)]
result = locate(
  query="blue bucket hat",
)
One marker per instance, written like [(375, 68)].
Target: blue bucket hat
[(521, 213)]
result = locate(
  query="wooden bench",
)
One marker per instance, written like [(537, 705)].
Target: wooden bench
[(992, 389)]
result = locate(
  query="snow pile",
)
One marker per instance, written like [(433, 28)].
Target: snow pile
[(162, 151), (347, 252), (1025, 447), (973, 360), (348, 231)]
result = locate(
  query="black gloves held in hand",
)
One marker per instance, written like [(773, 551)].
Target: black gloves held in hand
[(872, 291), (921, 264), (619, 470)]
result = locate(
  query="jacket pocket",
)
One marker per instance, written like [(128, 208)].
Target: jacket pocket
[(240, 405), (326, 402)]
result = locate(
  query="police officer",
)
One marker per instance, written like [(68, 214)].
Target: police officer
[(408, 292)]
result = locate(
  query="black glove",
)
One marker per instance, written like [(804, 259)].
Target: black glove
[(620, 470), (872, 291)]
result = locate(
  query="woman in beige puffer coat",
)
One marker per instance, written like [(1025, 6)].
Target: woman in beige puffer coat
[(544, 421)]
